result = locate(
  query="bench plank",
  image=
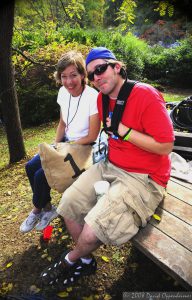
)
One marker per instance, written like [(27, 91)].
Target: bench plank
[(169, 242), (179, 191), (166, 253), (174, 228), (179, 182), (178, 208)]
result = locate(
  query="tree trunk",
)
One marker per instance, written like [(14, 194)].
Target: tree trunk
[(8, 95)]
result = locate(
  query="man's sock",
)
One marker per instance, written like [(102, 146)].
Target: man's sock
[(68, 260), (86, 260)]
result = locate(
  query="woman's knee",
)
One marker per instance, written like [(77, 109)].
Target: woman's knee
[(33, 165)]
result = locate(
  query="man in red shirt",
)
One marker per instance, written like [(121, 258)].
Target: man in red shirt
[(137, 170)]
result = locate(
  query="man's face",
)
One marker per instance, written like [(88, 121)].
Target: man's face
[(104, 75)]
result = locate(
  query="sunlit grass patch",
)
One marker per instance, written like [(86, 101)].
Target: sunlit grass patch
[(32, 138)]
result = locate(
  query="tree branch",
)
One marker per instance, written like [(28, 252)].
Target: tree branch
[(29, 59), (66, 14)]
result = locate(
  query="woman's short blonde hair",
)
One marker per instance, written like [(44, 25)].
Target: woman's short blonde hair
[(71, 58)]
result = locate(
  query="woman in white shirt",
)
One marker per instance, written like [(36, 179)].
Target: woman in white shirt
[(79, 122)]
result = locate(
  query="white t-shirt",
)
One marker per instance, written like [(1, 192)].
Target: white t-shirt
[(77, 110)]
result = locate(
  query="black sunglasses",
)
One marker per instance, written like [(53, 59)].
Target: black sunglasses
[(99, 70)]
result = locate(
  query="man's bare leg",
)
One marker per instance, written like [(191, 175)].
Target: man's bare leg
[(86, 243), (74, 228)]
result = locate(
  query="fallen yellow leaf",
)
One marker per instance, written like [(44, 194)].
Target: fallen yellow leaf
[(44, 255), (88, 298), (9, 265), (6, 287), (107, 297), (60, 229), (156, 217), (49, 258), (15, 209), (34, 289), (105, 258), (63, 294), (64, 237)]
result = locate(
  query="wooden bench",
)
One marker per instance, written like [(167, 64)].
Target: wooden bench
[(183, 144), (169, 242)]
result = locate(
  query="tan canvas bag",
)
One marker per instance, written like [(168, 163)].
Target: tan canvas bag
[(64, 163)]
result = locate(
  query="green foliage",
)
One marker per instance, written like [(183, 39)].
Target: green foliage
[(165, 7), (60, 12), (110, 17), (38, 105), (38, 48), (35, 36), (171, 65), (131, 51), (126, 13), (93, 16)]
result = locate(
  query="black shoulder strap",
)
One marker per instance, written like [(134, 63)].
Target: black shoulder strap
[(119, 106)]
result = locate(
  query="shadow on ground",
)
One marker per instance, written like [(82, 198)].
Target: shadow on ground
[(136, 273)]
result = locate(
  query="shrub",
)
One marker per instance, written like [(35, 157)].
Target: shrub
[(38, 105), (171, 66)]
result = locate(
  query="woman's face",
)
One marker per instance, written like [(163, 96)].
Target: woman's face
[(72, 80)]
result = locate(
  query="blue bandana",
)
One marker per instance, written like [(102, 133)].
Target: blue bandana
[(99, 52)]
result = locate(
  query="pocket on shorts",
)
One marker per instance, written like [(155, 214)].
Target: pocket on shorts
[(148, 194), (118, 224), (156, 194)]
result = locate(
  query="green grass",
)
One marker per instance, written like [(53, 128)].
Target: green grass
[(173, 96), (169, 97), (32, 138), (36, 135)]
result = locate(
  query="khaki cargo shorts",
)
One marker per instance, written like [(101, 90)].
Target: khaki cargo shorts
[(116, 216)]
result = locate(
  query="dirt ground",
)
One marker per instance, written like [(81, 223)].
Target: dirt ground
[(24, 256)]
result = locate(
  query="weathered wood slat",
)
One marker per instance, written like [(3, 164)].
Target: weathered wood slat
[(177, 185), (177, 208), (181, 182), (169, 242), (174, 228), (167, 253), (179, 191)]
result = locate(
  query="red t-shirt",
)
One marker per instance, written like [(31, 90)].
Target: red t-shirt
[(145, 112)]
